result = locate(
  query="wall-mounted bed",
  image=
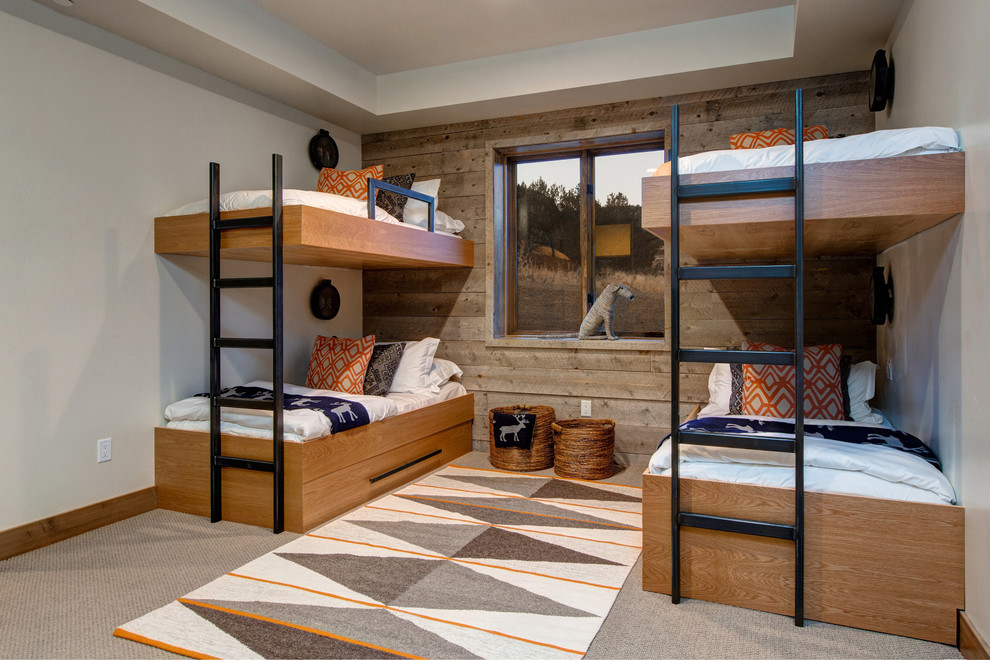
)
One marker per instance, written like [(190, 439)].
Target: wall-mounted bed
[(873, 559), (322, 474)]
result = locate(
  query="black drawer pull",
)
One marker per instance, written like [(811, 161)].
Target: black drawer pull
[(403, 467)]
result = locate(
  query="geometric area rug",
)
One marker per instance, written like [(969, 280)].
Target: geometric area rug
[(464, 563)]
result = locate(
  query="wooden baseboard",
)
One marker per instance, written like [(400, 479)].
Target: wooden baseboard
[(40, 533), (971, 643)]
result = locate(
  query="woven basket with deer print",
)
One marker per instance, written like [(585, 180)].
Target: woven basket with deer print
[(539, 456)]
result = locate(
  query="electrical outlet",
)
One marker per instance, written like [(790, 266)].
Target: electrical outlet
[(585, 408), (103, 450)]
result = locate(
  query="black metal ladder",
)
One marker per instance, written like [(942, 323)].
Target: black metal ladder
[(217, 460), (795, 445)]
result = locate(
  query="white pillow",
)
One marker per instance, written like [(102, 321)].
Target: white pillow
[(719, 391), (444, 222), (443, 370), (413, 374), (416, 212), (861, 385)]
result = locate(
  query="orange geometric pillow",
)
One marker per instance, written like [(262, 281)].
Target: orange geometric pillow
[(768, 389), (761, 139), (349, 183), (339, 364)]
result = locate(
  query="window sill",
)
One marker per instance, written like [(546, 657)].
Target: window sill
[(659, 345)]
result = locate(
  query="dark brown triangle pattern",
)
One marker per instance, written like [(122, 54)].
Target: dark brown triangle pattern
[(569, 490), (442, 539), (520, 486), (380, 578), (522, 512), (495, 543), (371, 626), (273, 640)]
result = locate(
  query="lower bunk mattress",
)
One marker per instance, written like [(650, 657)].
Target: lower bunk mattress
[(325, 475), (883, 545)]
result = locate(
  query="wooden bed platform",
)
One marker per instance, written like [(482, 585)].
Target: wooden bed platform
[(851, 208), (317, 237), (324, 477), (884, 565)]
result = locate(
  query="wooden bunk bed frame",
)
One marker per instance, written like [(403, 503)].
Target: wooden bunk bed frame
[(858, 207), (323, 477), (886, 565)]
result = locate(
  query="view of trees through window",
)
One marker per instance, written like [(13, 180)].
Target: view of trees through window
[(549, 244)]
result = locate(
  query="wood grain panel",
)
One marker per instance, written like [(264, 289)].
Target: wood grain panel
[(456, 305), (182, 473), (317, 237), (852, 207), (885, 565), (53, 529), (972, 644)]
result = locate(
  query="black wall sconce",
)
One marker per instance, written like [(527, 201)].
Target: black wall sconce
[(324, 302), (881, 297), (881, 81), (323, 150)]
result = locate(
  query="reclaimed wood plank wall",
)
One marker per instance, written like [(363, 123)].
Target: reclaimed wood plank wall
[(630, 383)]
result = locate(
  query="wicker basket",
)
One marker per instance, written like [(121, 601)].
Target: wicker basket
[(540, 454), (584, 448)]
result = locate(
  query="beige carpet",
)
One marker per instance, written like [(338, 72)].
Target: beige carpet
[(64, 601)]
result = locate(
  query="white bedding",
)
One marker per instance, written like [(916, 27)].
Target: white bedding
[(830, 467), (878, 144), (251, 199), (193, 413)]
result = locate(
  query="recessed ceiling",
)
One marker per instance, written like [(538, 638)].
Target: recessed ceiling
[(389, 64)]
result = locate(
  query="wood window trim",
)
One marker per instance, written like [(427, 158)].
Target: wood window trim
[(501, 156)]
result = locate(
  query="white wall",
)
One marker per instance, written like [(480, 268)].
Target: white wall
[(938, 341), (97, 332)]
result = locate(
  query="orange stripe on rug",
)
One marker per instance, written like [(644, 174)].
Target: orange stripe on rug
[(464, 561), (545, 476), (171, 648), (416, 614), (531, 499), (506, 527), (527, 513), (315, 631)]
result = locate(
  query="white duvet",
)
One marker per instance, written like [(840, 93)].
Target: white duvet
[(252, 199), (831, 466), (193, 413), (878, 144)]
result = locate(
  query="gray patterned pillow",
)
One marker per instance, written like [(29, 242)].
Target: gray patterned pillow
[(381, 368), (736, 394), (394, 203)]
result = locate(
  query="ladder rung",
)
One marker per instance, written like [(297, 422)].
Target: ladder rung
[(244, 283), (245, 223), (736, 357), (254, 404), (244, 463), (728, 188), (735, 272), (736, 525), (237, 342), (736, 441)]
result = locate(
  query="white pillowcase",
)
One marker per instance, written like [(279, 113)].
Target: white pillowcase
[(443, 370), (862, 386), (413, 374), (416, 212), (444, 222), (719, 391)]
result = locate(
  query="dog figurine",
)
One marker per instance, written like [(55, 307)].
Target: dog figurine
[(602, 313)]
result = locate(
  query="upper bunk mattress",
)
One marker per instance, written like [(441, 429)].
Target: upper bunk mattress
[(878, 144)]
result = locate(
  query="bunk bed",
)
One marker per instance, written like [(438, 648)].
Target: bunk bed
[(888, 565), (298, 485)]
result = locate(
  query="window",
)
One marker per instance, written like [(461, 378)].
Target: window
[(568, 223)]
